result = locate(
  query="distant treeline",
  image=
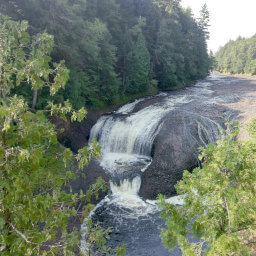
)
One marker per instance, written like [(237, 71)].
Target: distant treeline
[(237, 57), (117, 50)]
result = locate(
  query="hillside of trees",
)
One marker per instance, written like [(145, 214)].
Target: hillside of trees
[(116, 50), (237, 57)]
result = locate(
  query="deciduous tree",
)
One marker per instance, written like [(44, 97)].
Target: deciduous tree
[(34, 209)]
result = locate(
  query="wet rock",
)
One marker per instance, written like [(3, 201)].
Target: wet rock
[(76, 135), (91, 173), (175, 149)]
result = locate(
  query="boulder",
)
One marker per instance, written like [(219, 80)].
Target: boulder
[(91, 173), (175, 149), (76, 134)]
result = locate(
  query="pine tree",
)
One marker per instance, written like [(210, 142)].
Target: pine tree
[(137, 62), (204, 20), (237, 57)]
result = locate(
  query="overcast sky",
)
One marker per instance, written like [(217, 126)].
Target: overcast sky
[(229, 19)]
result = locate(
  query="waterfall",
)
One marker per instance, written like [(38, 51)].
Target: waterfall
[(128, 134), (126, 187), (127, 138)]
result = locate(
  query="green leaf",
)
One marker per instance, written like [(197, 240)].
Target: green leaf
[(120, 251)]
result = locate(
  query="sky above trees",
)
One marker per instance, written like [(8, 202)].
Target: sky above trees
[(228, 19)]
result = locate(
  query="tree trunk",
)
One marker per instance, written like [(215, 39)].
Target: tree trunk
[(2, 83), (34, 99), (3, 94)]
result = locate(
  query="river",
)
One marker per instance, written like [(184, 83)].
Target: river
[(139, 153)]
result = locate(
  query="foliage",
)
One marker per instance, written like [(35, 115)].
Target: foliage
[(97, 237), (180, 49), (137, 59), (204, 20), (34, 167), (237, 57), (219, 201), (28, 60), (117, 49)]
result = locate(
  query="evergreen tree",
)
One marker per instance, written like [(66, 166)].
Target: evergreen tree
[(237, 57), (219, 201), (204, 20), (95, 39), (137, 68)]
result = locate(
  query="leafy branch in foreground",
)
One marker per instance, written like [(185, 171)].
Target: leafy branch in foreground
[(97, 237), (34, 167), (219, 201)]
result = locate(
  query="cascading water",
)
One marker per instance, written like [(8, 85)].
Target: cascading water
[(126, 138)]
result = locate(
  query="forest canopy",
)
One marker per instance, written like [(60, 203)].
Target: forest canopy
[(117, 50), (237, 57)]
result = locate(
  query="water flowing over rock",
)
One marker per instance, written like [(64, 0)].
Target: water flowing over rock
[(157, 138), (146, 146), (175, 149)]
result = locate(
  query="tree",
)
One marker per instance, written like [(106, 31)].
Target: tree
[(137, 61), (168, 6), (83, 40), (98, 42), (219, 201), (212, 61), (204, 20), (237, 57), (34, 209)]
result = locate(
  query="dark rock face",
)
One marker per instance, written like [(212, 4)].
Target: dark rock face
[(76, 135), (92, 172), (176, 149)]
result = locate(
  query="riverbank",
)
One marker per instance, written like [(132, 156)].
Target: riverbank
[(249, 76), (246, 106)]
